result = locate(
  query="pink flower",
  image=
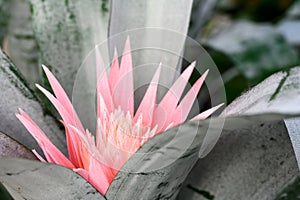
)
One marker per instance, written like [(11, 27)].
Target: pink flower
[(120, 131)]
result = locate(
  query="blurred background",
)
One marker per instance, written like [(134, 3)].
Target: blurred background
[(248, 40)]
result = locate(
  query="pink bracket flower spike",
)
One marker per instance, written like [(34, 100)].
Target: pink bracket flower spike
[(117, 125)]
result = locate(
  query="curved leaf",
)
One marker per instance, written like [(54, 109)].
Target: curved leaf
[(276, 97), (15, 94), (35, 180), (253, 162), (254, 158), (11, 148)]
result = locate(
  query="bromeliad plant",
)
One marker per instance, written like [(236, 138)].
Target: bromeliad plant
[(64, 35), (120, 131)]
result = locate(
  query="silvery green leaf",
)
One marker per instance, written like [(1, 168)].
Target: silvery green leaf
[(254, 157), (156, 28), (276, 97), (11, 148), (16, 94), (252, 163), (66, 31), (34, 180), (21, 44)]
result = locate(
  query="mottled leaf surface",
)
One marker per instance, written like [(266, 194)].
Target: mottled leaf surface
[(251, 160), (15, 94), (35, 180), (11, 148), (66, 31), (278, 94)]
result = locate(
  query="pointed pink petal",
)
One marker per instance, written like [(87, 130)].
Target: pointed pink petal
[(123, 93), (58, 90), (114, 72), (51, 152), (163, 113), (207, 113), (103, 112), (62, 96), (59, 107), (72, 138), (186, 103), (74, 148), (147, 105), (100, 176)]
